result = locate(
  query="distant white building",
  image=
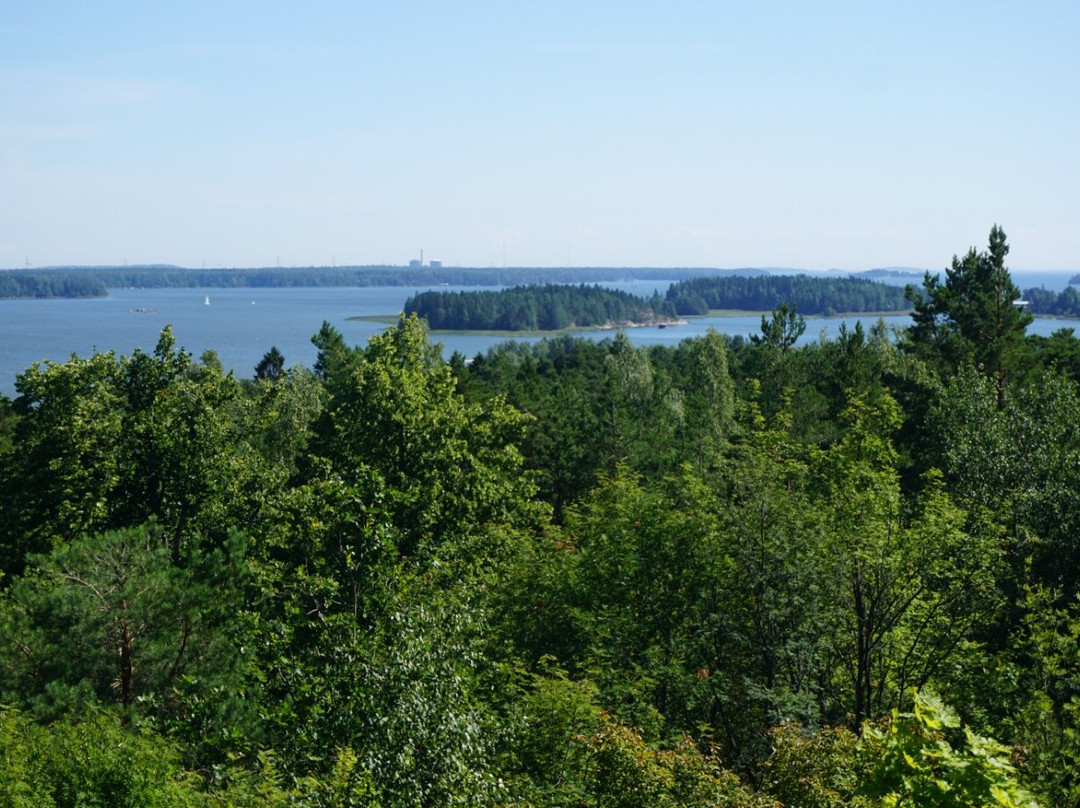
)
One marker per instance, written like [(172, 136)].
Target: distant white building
[(414, 263), (436, 263)]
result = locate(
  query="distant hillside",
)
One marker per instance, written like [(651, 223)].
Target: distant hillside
[(83, 281), (164, 276)]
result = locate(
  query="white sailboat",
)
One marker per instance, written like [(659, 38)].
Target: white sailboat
[(207, 301)]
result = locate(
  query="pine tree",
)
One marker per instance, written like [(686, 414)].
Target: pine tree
[(972, 317)]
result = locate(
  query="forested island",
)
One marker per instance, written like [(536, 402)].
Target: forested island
[(548, 307), (810, 295), (552, 307), (576, 573), (1065, 303)]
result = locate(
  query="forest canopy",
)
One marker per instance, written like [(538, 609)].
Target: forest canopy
[(810, 295), (17, 283), (550, 307), (572, 573)]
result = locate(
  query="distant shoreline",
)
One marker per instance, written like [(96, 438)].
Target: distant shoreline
[(388, 319), (840, 315), (392, 319)]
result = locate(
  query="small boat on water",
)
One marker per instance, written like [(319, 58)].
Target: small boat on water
[(207, 301)]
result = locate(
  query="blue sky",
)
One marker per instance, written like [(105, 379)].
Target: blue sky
[(816, 135)]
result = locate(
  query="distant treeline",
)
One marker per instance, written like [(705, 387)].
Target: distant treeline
[(549, 307), (766, 292), (1063, 304), (163, 276), (20, 283)]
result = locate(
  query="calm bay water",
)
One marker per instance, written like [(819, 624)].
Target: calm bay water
[(243, 324)]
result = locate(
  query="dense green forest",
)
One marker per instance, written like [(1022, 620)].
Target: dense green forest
[(19, 283), (809, 295), (550, 307), (1065, 303), (572, 574)]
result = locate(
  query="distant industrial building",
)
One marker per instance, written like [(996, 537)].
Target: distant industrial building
[(416, 263)]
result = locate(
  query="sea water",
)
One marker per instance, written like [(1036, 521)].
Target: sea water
[(243, 324)]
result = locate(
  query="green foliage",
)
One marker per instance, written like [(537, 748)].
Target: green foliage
[(400, 689), (564, 384), (1065, 303), (281, 418), (768, 292), (627, 773), (346, 587), (1060, 352), (642, 404), (550, 720), (765, 603), (332, 351), (110, 619), (450, 467), (908, 589), (815, 382), (271, 366), (648, 583), (819, 769), (918, 764), (90, 763), (95, 761), (971, 317), (367, 629), (782, 330), (1047, 724), (7, 425), (702, 375), (66, 469), (538, 308), (596, 405), (1021, 461), (44, 283), (107, 443)]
